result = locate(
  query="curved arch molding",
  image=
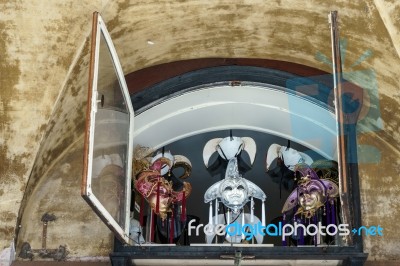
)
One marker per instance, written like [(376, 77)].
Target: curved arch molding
[(253, 107)]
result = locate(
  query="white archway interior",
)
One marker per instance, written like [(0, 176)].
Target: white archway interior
[(251, 107)]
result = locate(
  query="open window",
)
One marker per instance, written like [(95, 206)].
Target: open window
[(196, 108), (106, 182)]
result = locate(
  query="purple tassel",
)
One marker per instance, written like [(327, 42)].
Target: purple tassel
[(283, 223), (301, 240), (171, 228), (328, 213), (333, 213), (315, 236)]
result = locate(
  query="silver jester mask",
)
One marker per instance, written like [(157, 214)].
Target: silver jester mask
[(234, 191)]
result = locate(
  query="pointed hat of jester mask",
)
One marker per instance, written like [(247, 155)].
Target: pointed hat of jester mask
[(289, 156), (229, 148)]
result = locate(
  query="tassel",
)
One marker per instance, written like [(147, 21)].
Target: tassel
[(243, 236), (328, 213), (333, 213), (252, 210), (283, 224), (152, 226), (183, 213), (171, 227), (141, 213), (165, 223), (158, 197), (210, 214), (216, 212), (263, 213), (315, 236), (301, 240)]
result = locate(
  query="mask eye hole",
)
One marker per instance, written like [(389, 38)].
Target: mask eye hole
[(228, 188), (240, 187), (301, 194)]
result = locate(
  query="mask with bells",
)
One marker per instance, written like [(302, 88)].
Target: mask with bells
[(311, 193), (157, 190), (233, 191)]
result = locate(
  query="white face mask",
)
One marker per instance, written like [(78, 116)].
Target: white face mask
[(234, 193)]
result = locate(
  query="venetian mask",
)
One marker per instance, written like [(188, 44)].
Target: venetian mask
[(311, 194), (157, 190), (234, 193)]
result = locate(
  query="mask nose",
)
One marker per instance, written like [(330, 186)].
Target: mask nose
[(235, 191), (306, 196)]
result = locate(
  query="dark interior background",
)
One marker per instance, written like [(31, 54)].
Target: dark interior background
[(201, 180)]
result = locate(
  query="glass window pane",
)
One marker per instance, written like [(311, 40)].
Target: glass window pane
[(110, 141)]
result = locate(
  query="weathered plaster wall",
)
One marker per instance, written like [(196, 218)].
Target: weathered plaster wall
[(43, 70), (54, 185), (38, 42)]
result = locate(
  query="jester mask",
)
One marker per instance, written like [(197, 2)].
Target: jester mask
[(160, 192), (311, 192), (233, 191)]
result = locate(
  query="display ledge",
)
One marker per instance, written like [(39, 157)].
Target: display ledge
[(123, 255), (202, 262), (231, 245)]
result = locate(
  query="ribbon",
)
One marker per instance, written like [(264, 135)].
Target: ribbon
[(243, 236), (328, 213), (333, 213), (183, 213), (252, 210), (315, 236), (141, 213), (263, 213), (152, 226), (301, 240), (210, 214), (158, 197), (171, 227), (216, 212), (283, 224)]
